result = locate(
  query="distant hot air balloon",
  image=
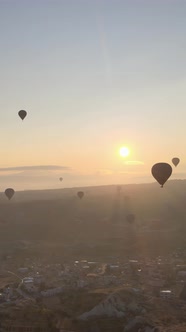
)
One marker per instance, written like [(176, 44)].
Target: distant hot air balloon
[(80, 194), (9, 192), (130, 218), (119, 188), (175, 161), (161, 172), (126, 199), (60, 179), (22, 114)]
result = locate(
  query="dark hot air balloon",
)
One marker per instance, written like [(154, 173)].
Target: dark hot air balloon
[(161, 172), (60, 179), (126, 199), (119, 188), (80, 194), (175, 161), (9, 192), (130, 218), (22, 114)]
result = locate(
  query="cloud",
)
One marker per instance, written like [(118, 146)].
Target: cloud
[(133, 162), (35, 168), (127, 173), (104, 172)]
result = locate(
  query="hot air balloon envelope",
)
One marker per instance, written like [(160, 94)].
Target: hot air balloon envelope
[(80, 194), (161, 172), (130, 218), (61, 179), (22, 114), (9, 192), (175, 161), (126, 199), (119, 188)]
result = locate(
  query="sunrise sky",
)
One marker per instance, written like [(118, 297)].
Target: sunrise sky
[(93, 75)]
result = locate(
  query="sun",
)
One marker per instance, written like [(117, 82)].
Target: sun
[(124, 151)]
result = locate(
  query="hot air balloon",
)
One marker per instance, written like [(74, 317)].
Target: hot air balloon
[(126, 199), (130, 218), (161, 172), (9, 192), (60, 179), (119, 188), (22, 114), (80, 194), (175, 161)]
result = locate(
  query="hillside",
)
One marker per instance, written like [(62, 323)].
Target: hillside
[(97, 223)]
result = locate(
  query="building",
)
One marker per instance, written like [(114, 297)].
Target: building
[(23, 270), (182, 275), (166, 294), (28, 283)]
